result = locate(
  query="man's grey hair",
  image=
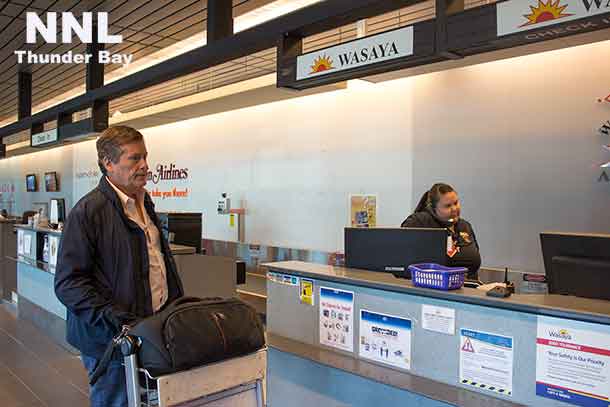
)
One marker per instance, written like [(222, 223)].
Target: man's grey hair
[(109, 145)]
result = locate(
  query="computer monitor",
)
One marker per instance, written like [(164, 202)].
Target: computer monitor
[(577, 264), (183, 228), (394, 249)]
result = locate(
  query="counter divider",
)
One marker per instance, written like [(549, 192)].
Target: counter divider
[(416, 384)]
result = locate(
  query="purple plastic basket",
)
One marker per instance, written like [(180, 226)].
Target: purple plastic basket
[(432, 275)]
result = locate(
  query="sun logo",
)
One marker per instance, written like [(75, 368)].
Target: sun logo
[(545, 12), (321, 64), (563, 331)]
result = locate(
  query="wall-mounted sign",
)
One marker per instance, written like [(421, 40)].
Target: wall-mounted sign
[(46, 137), (164, 172), (354, 54), (363, 210), (522, 15)]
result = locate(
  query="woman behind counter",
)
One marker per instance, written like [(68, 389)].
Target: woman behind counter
[(440, 208)]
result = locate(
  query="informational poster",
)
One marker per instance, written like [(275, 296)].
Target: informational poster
[(285, 279), (385, 338), (306, 291), (363, 210), (486, 361), (27, 243), (573, 361), (337, 318), (20, 248), (438, 319), (53, 249)]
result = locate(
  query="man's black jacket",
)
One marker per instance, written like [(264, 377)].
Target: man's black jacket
[(102, 269)]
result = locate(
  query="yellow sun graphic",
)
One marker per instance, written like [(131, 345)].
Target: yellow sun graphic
[(545, 12), (321, 64)]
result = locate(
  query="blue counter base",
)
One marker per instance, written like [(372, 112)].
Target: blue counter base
[(48, 322), (298, 382)]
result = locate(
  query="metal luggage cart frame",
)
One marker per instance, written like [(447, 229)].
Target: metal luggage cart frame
[(236, 382)]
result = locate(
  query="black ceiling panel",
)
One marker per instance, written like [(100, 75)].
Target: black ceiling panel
[(147, 26)]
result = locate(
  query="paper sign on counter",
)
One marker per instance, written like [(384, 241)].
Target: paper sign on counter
[(27, 243), (486, 361), (438, 319), (306, 291), (385, 338), (573, 361), (337, 318), (53, 249), (20, 242)]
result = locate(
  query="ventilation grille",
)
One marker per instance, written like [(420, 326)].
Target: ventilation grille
[(251, 66)]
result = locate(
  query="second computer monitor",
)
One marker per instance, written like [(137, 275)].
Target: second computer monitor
[(394, 249), (577, 264)]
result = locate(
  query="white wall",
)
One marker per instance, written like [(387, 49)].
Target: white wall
[(293, 164), (517, 138), (14, 169)]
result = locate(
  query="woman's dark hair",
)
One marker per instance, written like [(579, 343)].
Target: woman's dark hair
[(430, 198)]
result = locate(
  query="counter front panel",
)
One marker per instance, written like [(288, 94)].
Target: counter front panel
[(511, 335)]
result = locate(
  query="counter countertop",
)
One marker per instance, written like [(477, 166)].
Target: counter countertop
[(44, 266), (39, 229), (561, 306), (178, 249), (175, 248)]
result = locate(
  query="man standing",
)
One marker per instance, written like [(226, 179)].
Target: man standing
[(113, 266)]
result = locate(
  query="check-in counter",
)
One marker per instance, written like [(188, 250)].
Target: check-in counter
[(347, 337), (8, 269), (202, 276)]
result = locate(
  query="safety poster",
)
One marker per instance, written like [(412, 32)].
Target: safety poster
[(486, 361), (573, 361), (385, 338), (337, 318)]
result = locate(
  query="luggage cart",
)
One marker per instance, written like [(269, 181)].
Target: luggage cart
[(236, 382)]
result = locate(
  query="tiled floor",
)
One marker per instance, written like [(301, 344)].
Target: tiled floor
[(34, 371)]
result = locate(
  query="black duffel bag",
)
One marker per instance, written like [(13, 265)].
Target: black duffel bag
[(192, 332)]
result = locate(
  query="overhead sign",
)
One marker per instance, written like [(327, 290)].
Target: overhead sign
[(354, 54), (46, 137), (515, 16)]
